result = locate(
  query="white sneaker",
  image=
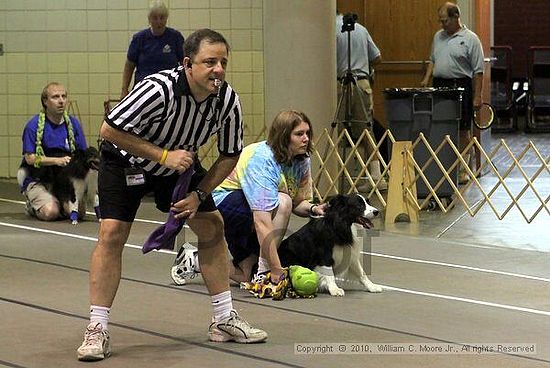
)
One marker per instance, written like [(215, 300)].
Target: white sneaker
[(185, 267), (235, 328), (96, 345)]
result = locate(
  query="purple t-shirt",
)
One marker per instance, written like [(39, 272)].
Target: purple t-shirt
[(55, 138), (152, 54)]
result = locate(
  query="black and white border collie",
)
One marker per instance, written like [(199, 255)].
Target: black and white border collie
[(73, 183), (329, 245)]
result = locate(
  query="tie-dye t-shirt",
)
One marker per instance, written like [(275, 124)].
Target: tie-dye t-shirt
[(261, 178)]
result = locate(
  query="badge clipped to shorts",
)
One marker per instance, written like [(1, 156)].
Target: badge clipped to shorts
[(134, 176)]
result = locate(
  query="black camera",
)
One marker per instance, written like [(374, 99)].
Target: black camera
[(349, 22)]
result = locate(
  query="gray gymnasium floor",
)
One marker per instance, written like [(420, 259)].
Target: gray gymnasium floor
[(451, 280)]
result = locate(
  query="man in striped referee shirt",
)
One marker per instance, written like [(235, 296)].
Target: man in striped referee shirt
[(151, 137)]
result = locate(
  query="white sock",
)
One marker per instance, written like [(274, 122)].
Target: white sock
[(263, 265), (100, 314), (222, 304)]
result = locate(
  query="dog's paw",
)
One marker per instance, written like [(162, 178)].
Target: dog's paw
[(370, 286), (336, 291), (374, 288), (328, 283)]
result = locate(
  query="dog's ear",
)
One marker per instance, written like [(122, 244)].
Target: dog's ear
[(333, 201), (338, 202), (336, 199), (91, 153), (362, 202)]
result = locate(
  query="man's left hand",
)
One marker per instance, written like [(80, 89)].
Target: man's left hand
[(187, 207)]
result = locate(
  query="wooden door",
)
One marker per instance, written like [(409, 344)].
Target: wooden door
[(483, 30)]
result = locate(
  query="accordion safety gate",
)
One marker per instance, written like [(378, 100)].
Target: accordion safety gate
[(529, 165)]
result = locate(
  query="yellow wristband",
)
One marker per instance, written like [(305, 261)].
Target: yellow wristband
[(164, 155)]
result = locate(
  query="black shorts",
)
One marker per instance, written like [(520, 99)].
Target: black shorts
[(119, 201), (467, 98)]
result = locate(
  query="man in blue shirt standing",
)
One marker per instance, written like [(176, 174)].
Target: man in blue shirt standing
[(153, 49)]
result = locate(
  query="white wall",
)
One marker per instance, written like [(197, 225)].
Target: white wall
[(466, 13), (300, 58), (83, 43)]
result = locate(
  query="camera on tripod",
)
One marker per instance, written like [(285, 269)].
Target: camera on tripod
[(348, 24)]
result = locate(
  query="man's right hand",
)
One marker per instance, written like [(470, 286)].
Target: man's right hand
[(429, 71), (179, 160)]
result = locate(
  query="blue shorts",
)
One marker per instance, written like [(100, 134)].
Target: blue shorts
[(239, 227)]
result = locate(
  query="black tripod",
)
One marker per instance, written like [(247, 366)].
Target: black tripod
[(348, 86)]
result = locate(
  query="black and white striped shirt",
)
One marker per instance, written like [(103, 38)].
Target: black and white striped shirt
[(162, 110)]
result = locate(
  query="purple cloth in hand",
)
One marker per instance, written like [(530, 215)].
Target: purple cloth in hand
[(164, 237)]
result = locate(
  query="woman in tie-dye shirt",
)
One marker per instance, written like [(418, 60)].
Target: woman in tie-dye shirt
[(271, 180)]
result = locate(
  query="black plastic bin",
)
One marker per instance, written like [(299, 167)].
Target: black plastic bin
[(435, 112)]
